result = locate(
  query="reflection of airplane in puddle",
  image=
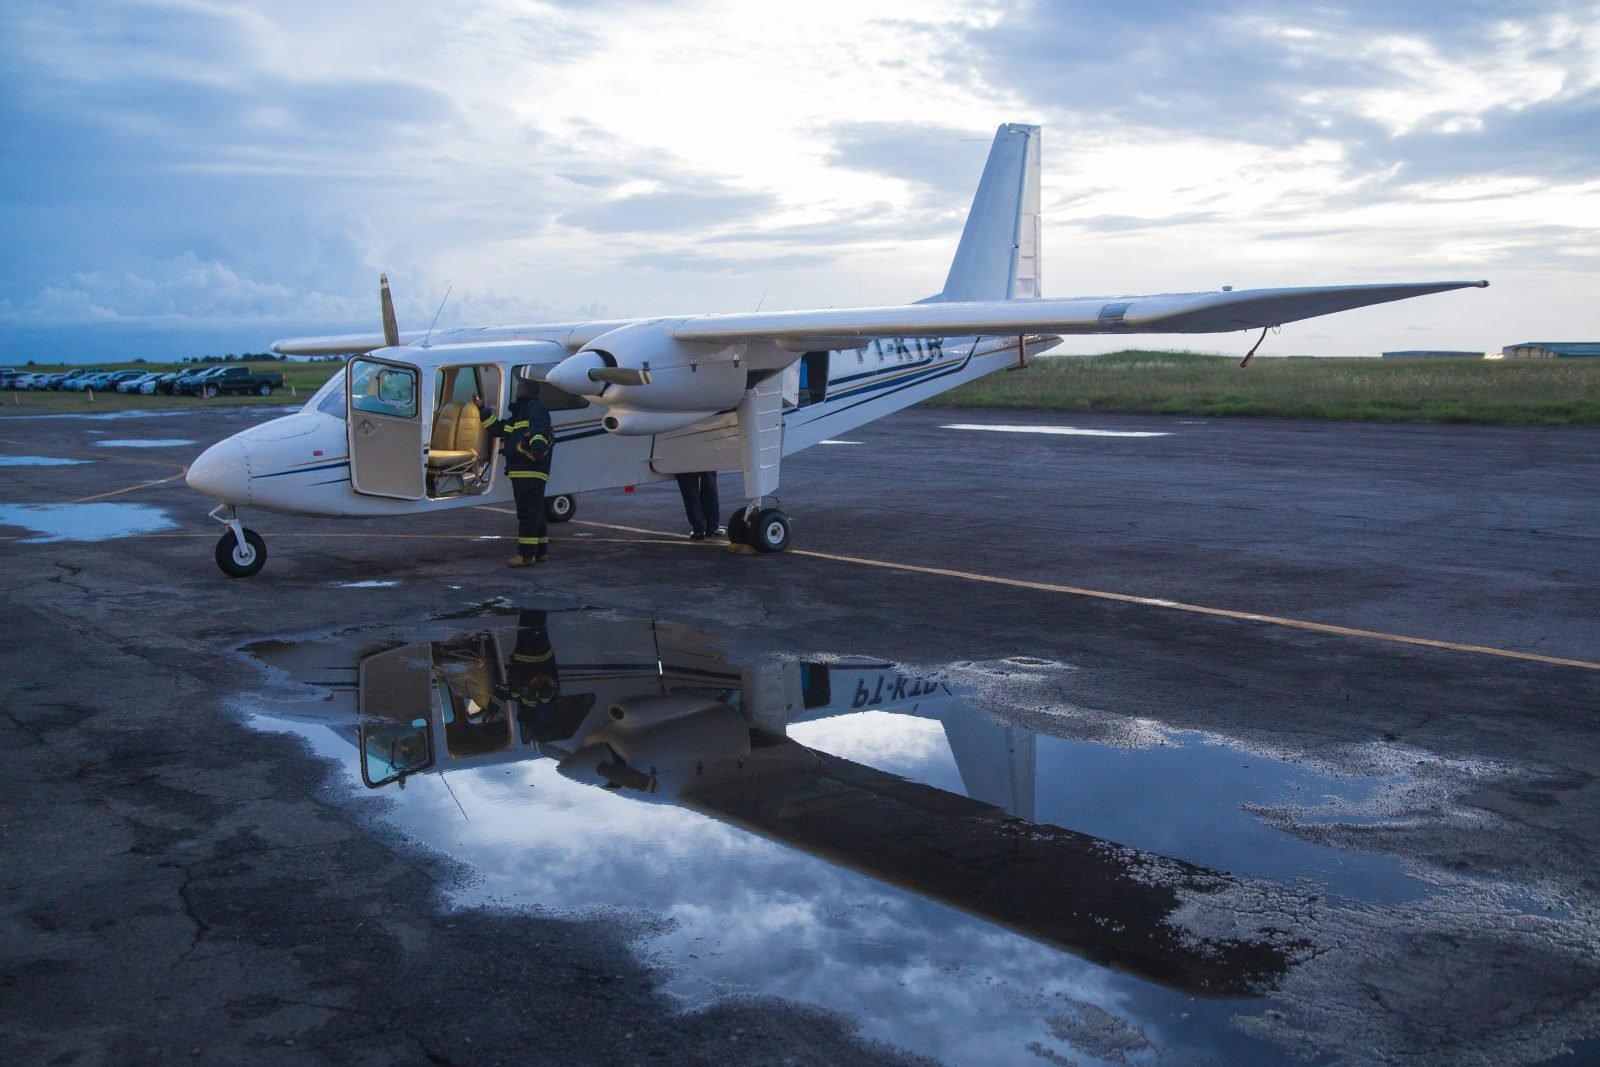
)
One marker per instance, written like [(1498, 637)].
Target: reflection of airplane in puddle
[(651, 711)]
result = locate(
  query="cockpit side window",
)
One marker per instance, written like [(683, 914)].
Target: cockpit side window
[(330, 398)]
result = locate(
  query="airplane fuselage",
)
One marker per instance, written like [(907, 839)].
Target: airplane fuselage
[(313, 461)]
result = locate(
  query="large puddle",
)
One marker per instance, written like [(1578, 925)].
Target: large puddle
[(969, 884), (85, 522)]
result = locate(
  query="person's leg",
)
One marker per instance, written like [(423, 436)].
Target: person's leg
[(689, 489), (541, 533), (710, 506), (530, 506)]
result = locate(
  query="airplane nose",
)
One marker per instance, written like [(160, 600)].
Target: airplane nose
[(222, 471)]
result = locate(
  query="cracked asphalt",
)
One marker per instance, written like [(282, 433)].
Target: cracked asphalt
[(1353, 597)]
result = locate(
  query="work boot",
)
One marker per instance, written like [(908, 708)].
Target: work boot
[(519, 560), (543, 557)]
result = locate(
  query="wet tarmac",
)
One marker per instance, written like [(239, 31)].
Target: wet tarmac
[(1153, 741)]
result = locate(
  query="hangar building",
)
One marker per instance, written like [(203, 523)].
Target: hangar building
[(1551, 349)]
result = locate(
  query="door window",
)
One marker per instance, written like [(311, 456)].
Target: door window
[(383, 389)]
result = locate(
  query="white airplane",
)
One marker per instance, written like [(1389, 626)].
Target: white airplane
[(638, 401)]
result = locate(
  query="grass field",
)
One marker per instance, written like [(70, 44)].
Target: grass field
[(1553, 392)]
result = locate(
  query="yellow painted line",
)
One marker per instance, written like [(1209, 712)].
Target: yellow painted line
[(94, 457), (1173, 605), (130, 488)]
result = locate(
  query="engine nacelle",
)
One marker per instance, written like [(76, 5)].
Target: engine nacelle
[(653, 383), (626, 422)]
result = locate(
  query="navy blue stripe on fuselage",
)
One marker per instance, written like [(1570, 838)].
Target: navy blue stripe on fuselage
[(880, 389), (306, 470)]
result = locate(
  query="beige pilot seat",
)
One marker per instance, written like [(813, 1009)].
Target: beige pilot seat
[(458, 449), (470, 671)]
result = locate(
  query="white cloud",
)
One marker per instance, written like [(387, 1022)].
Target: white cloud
[(196, 160)]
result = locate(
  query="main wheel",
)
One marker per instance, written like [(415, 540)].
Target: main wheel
[(265, 389), (560, 508), (241, 561), (738, 530), (769, 532)]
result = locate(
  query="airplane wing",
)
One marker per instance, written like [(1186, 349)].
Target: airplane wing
[(1209, 312), (348, 344)]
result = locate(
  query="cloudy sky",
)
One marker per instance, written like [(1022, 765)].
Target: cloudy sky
[(185, 177)]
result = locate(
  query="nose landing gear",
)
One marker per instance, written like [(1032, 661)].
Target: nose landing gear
[(240, 552)]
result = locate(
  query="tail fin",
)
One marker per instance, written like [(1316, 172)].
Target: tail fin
[(998, 258)]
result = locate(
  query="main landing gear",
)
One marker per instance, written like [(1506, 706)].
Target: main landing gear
[(240, 552), (560, 508), (763, 529)]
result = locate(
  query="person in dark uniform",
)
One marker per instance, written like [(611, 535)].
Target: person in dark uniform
[(533, 683), (699, 490), (527, 443)]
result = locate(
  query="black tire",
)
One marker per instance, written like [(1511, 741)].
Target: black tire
[(737, 530), (560, 508), (264, 389), (210, 392), (243, 561), (769, 532)]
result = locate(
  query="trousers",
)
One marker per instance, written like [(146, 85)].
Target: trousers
[(699, 491), (532, 539)]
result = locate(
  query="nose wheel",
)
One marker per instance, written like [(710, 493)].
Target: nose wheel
[(240, 552), (241, 559)]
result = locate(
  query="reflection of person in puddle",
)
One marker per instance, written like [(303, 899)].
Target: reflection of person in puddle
[(534, 681)]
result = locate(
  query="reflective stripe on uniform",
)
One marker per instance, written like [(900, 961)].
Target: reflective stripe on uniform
[(541, 475)]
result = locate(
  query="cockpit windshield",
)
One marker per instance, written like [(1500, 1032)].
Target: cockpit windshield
[(330, 398)]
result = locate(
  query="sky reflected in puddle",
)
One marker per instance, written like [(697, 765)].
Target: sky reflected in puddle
[(854, 836), (84, 522), (37, 461), (153, 442)]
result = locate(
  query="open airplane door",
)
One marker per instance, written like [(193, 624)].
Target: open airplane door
[(386, 428), (394, 703)]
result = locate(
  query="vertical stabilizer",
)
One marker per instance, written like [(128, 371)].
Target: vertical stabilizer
[(998, 258)]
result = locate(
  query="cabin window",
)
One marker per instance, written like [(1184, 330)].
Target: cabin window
[(463, 384), (813, 378)]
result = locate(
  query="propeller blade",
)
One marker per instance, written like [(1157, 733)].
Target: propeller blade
[(619, 376), (391, 332)]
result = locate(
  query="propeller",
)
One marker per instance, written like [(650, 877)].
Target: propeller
[(391, 332), (619, 375)]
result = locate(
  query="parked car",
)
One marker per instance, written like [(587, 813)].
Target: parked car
[(77, 381), (61, 379), (239, 381), (160, 384), (131, 385), (24, 380), (108, 382), (187, 383)]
